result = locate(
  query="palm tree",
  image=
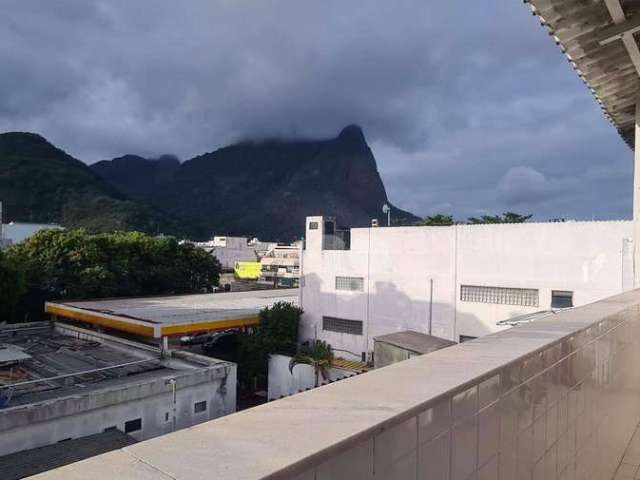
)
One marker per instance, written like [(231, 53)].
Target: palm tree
[(316, 353)]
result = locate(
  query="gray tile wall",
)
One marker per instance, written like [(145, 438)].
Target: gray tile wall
[(566, 412)]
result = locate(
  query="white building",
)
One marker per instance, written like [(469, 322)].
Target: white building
[(453, 282), (281, 265), (60, 382)]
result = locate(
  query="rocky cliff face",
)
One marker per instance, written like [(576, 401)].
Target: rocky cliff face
[(263, 188)]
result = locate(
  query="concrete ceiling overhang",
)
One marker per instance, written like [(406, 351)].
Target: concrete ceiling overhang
[(599, 39)]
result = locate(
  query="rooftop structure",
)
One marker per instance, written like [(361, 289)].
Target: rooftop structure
[(599, 39), (70, 383), (178, 315)]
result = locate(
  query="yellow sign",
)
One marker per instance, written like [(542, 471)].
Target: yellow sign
[(248, 270)]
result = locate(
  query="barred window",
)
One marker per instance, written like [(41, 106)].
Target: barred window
[(354, 284), (342, 325), (526, 297)]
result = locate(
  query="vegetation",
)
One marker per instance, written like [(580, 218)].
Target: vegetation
[(41, 183), (446, 220), (12, 288), (264, 188), (60, 264), (508, 217), (316, 353), (276, 333), (438, 220)]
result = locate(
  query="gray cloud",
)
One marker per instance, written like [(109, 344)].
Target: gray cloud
[(454, 97)]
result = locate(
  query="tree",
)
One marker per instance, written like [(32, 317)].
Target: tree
[(316, 353), (438, 220), (507, 217), (74, 264), (12, 288), (277, 332)]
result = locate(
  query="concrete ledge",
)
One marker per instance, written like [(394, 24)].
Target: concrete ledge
[(306, 434)]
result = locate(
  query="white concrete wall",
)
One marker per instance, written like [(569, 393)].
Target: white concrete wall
[(151, 410), (282, 383), (592, 259), (80, 414)]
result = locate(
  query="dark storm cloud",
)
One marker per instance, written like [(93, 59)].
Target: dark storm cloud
[(469, 107)]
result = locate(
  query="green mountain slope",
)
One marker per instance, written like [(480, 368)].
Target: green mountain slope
[(41, 183), (262, 188)]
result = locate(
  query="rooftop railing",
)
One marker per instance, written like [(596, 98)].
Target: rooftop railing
[(555, 398)]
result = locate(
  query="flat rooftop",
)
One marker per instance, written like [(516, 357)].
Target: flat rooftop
[(174, 315), (55, 365)]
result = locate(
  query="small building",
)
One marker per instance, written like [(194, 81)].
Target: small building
[(61, 382), (396, 347)]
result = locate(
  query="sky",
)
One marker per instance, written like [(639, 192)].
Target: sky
[(469, 107)]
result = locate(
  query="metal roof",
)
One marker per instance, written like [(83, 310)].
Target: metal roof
[(11, 353), (606, 65), (31, 462), (415, 341)]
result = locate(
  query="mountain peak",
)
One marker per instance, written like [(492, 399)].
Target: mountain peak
[(352, 134)]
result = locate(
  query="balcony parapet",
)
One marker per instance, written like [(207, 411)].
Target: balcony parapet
[(553, 397)]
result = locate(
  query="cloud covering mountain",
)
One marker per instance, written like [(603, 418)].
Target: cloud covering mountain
[(469, 107)]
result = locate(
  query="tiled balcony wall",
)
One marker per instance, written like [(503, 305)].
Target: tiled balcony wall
[(556, 399)]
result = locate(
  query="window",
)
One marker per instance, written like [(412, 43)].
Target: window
[(353, 284), (342, 325), (313, 225), (200, 407), (110, 429), (526, 297), (166, 416), (561, 299), (466, 338), (133, 425)]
